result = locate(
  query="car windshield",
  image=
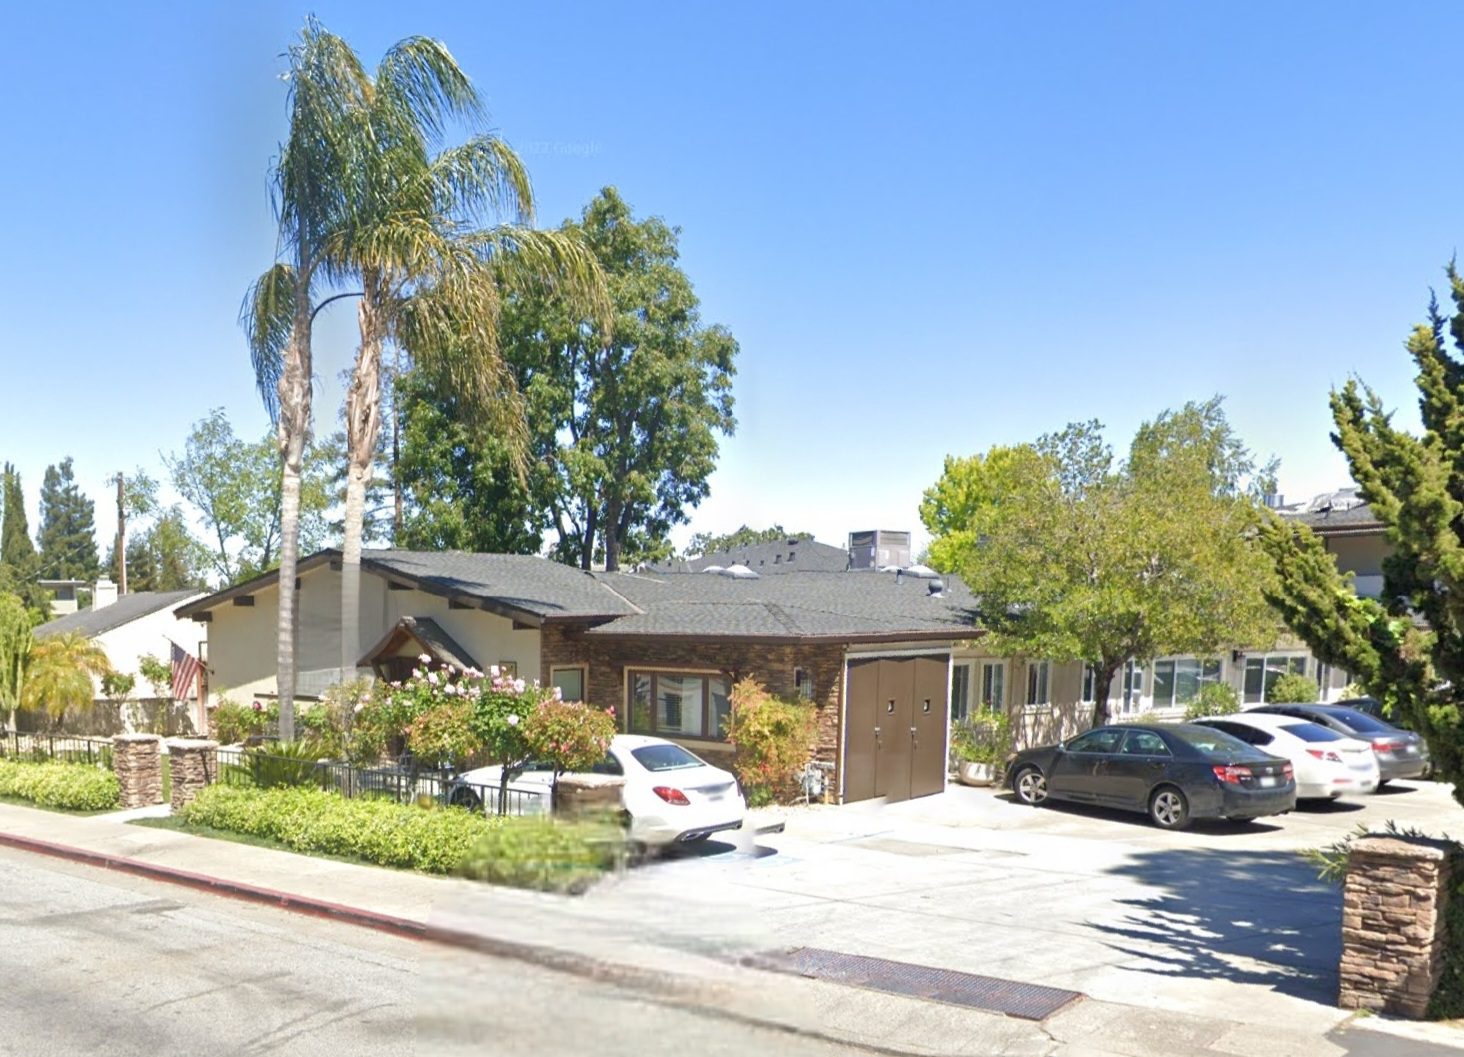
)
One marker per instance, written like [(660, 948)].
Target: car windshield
[(1360, 721), (1212, 742), (1313, 732), (665, 758)]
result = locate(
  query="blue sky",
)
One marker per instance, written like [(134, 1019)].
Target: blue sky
[(932, 229)]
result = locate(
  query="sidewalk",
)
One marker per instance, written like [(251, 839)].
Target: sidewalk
[(660, 931)]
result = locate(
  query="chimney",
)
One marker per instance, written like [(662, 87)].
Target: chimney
[(879, 548), (104, 594)]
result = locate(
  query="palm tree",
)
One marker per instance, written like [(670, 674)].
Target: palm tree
[(59, 675), (312, 191)]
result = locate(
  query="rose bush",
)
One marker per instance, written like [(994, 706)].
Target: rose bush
[(568, 734)]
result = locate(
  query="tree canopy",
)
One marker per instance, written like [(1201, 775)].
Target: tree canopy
[(68, 542), (1407, 648), (20, 565), (711, 543), (1077, 556)]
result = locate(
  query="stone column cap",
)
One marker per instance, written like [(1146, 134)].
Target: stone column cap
[(187, 744), (1417, 849), (136, 739)]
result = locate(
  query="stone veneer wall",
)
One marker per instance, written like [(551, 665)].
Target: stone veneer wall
[(771, 663), (138, 762), (195, 764), (1394, 907)]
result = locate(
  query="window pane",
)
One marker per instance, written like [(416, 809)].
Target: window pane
[(640, 704), (721, 705), (679, 705), (1089, 680), (1211, 673), (1297, 665), (1186, 680), (993, 686), (960, 691), (1163, 684), (1255, 672), (571, 683)]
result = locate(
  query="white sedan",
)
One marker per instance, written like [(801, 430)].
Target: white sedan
[(671, 795), (1327, 764)]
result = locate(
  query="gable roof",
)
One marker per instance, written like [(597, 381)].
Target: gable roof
[(777, 556), (429, 635), (846, 605), (127, 608)]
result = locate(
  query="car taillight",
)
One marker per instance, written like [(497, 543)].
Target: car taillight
[(1387, 745), (1324, 754), (1231, 774), (671, 796), (1288, 772)]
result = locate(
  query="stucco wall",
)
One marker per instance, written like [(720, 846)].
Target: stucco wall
[(150, 634)]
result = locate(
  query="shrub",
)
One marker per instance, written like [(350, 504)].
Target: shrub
[(158, 673), (72, 786), (336, 722), (544, 853), (1214, 699), (985, 737), (1292, 688), (441, 734), (117, 685), (284, 763), (570, 735), (434, 839), (773, 738), (235, 723)]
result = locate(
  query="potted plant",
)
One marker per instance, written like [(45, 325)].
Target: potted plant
[(980, 746)]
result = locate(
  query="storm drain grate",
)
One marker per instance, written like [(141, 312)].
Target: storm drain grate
[(1011, 997)]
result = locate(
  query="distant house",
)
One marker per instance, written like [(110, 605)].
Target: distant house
[(662, 649)]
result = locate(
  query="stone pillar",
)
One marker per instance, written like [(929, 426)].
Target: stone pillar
[(195, 764), (1394, 906), (138, 761), (587, 794)]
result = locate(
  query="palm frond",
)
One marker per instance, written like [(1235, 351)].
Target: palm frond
[(268, 316), (418, 86), (483, 175), (558, 260)]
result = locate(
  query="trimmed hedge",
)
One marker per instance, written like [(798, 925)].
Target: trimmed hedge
[(540, 852), (433, 839), (70, 786)]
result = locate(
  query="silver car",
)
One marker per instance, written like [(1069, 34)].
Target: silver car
[(1401, 753)]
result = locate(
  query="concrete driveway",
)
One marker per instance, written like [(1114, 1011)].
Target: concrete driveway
[(1223, 920)]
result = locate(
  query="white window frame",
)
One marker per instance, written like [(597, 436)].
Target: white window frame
[(979, 685), (1039, 684), (965, 704), (1265, 659), (1173, 703)]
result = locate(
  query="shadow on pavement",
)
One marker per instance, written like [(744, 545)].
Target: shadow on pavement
[(1202, 826), (1329, 807), (1394, 788), (1246, 917)]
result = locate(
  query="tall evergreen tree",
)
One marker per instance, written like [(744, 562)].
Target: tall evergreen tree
[(68, 527), (1407, 648), (20, 566)]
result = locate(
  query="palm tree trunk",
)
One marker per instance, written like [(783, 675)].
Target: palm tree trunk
[(292, 431), (363, 426)]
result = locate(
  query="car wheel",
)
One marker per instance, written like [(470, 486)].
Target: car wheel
[(1031, 786), (1383, 782), (1168, 808), (462, 796)]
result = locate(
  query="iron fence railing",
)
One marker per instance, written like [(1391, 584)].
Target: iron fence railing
[(403, 781), (70, 748)]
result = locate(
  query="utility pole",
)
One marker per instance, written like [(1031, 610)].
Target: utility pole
[(121, 540)]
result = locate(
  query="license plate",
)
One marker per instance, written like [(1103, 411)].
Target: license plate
[(715, 796), (1267, 780), (1411, 750)]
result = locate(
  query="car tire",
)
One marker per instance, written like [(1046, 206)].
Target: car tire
[(1382, 782), (1030, 785), (462, 796), (1169, 808)]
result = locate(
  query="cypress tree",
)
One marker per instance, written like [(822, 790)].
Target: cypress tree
[(1408, 648), (20, 566), (68, 527)]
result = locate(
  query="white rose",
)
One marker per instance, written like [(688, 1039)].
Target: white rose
[(425, 658), (512, 720)]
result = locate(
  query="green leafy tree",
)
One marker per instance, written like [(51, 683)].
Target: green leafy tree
[(20, 565), (234, 487), (68, 542), (710, 543), (569, 735), (16, 622), (1406, 649), (61, 672), (1090, 559), (626, 418), (158, 673)]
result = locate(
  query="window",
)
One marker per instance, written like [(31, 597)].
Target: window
[(679, 704), (1177, 682), (1248, 734), (960, 691), (803, 683), (1144, 743), (1039, 673), (1131, 687), (665, 758), (1105, 740), (1263, 671), (1090, 685), (570, 682), (993, 685)]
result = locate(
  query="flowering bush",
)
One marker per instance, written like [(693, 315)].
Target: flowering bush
[(441, 733), (570, 735), (234, 723), (773, 738)]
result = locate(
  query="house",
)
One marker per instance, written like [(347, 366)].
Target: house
[(128, 627), (661, 648)]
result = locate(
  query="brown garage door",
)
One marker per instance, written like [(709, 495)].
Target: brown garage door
[(895, 728)]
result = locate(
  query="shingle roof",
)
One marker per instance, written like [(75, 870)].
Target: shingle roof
[(1358, 518), (427, 632), (841, 605), (127, 608), (779, 556)]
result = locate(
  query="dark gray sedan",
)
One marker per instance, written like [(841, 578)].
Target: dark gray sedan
[(1401, 753), (1173, 772)]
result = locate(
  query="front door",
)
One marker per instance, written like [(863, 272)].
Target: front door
[(895, 727)]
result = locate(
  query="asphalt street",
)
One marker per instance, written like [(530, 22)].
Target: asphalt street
[(96, 962)]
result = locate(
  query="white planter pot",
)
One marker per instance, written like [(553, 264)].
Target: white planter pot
[(975, 773)]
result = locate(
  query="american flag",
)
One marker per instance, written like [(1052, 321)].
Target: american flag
[(185, 673)]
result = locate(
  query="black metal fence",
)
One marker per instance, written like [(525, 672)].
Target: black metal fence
[(403, 781), (70, 748)]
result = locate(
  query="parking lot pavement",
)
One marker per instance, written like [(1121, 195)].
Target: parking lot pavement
[(1224, 920)]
